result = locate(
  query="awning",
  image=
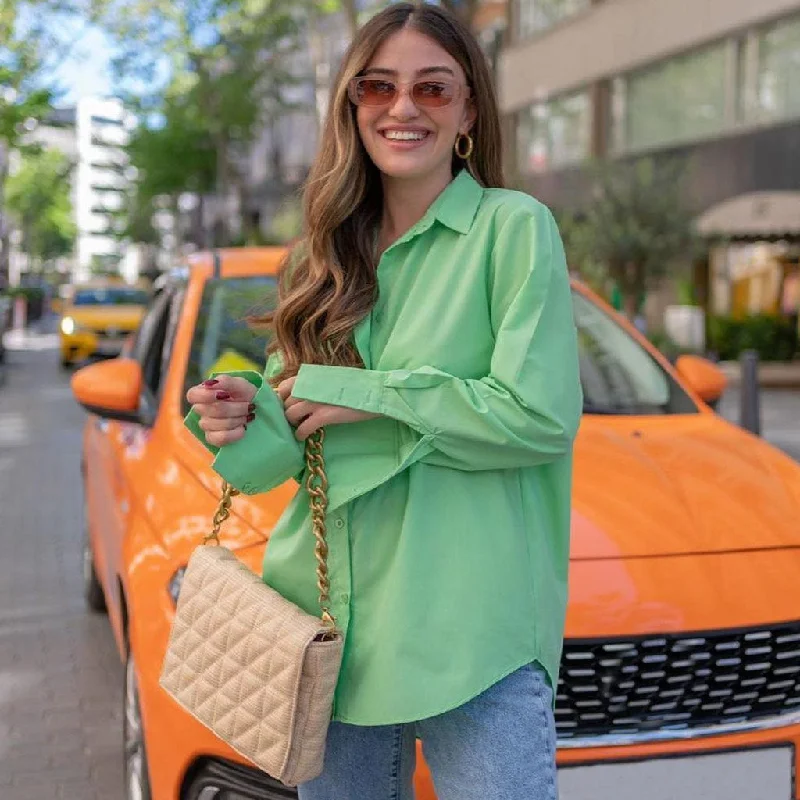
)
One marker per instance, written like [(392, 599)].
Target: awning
[(758, 214)]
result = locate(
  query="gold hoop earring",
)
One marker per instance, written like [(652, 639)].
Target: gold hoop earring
[(460, 152)]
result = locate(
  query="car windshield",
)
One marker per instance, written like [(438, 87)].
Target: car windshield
[(618, 375), (117, 296)]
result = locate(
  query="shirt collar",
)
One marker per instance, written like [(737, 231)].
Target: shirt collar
[(457, 205)]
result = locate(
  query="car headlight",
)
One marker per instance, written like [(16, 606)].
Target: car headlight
[(175, 583), (69, 326)]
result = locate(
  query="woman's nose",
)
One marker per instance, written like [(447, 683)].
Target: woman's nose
[(403, 106)]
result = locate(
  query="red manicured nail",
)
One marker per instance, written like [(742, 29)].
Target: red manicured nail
[(251, 417), (251, 408), (210, 383), (223, 395)]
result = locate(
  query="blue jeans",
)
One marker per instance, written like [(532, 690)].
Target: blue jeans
[(499, 746)]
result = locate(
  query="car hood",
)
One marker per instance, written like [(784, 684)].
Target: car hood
[(678, 485), (123, 317)]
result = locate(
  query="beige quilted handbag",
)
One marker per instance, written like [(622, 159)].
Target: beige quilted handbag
[(247, 663)]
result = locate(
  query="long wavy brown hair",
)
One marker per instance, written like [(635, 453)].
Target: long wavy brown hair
[(328, 282)]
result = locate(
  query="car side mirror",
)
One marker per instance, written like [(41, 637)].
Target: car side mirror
[(706, 379), (110, 389)]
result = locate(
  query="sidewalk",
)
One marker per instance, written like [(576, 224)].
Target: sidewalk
[(771, 374)]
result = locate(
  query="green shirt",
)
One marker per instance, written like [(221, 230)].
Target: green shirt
[(449, 515)]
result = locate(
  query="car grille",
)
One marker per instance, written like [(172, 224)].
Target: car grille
[(111, 333), (677, 682), (217, 779)]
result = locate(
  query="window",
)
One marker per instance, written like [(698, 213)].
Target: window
[(538, 15), (110, 297), (618, 375), (223, 339), (147, 349), (676, 100), (777, 94), (555, 133)]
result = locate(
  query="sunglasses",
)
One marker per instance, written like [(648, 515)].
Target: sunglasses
[(423, 93)]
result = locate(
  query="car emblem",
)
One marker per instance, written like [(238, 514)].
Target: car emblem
[(112, 332)]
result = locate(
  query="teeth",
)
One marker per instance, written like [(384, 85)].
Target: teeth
[(407, 136)]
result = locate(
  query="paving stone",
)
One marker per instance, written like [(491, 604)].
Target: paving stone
[(60, 676)]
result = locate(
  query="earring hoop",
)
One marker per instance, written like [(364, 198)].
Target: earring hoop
[(460, 151)]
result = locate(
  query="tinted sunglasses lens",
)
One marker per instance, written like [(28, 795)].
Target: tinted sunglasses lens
[(433, 94), (374, 92)]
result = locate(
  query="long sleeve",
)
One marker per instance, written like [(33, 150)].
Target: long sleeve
[(268, 454), (526, 411)]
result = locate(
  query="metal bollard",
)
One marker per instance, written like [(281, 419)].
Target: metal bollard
[(749, 393)]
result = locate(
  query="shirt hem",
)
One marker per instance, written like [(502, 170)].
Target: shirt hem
[(504, 673)]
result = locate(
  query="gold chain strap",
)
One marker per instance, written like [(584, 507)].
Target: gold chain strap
[(317, 488)]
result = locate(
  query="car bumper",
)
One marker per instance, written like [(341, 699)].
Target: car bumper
[(80, 346)]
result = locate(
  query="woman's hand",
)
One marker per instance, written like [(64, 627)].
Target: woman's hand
[(225, 406), (306, 417)]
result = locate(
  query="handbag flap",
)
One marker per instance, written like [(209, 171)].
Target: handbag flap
[(236, 655)]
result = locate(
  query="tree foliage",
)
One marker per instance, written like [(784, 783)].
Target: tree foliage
[(39, 200), (636, 228), (32, 41), (218, 70)]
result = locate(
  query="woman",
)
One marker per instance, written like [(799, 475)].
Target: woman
[(426, 322)]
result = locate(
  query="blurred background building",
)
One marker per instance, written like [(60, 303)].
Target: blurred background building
[(713, 82), (92, 135)]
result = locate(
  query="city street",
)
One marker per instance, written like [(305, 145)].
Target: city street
[(60, 677)]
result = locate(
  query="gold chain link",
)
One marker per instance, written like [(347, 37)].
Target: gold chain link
[(317, 487), (222, 513)]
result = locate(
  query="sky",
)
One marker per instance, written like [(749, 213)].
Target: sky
[(86, 70)]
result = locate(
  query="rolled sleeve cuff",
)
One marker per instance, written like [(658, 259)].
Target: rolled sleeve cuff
[(349, 387), (267, 456)]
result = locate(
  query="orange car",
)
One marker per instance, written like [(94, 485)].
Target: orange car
[(681, 667)]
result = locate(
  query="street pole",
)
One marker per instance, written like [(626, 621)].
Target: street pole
[(5, 228), (749, 397)]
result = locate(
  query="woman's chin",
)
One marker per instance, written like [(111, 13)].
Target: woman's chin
[(405, 166)]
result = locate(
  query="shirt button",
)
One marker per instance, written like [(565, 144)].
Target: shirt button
[(344, 597), (340, 523)]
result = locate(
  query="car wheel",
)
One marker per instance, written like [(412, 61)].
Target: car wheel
[(92, 589), (137, 775), (66, 364)]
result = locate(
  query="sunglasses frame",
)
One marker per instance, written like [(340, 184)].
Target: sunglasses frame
[(460, 90)]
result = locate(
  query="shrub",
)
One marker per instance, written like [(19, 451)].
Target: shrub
[(772, 337)]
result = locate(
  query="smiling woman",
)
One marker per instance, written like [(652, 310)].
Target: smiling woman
[(425, 324)]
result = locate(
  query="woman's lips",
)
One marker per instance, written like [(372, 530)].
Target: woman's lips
[(408, 140)]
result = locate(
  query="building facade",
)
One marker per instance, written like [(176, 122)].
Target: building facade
[(714, 82), (102, 181), (92, 135)]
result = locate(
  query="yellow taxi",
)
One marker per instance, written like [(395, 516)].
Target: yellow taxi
[(96, 318)]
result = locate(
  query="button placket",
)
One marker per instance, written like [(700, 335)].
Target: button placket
[(339, 567)]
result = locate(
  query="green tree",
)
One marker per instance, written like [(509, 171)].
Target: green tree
[(38, 198), (31, 42), (635, 230), (226, 64)]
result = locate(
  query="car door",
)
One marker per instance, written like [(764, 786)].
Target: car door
[(111, 443)]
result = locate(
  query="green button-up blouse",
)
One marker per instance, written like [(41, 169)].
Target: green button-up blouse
[(449, 515)]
